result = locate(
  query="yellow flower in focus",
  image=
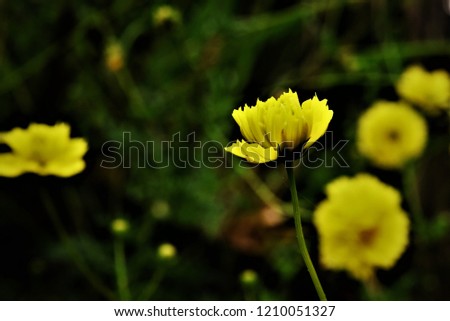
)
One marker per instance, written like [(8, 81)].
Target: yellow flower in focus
[(361, 226), (278, 124), (429, 90), (391, 133), (42, 149)]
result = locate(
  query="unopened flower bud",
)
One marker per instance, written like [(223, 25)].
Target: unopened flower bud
[(114, 57), (248, 277), (166, 15), (167, 251), (160, 209), (120, 226)]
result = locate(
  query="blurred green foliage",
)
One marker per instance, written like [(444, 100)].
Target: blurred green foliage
[(186, 76)]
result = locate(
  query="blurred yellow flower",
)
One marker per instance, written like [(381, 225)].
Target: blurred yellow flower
[(429, 90), (361, 226), (42, 149), (278, 124), (391, 133)]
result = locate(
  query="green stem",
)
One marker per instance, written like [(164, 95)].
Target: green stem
[(301, 238), (262, 191), (75, 255), (129, 86), (121, 270), (412, 194), (250, 292), (151, 288)]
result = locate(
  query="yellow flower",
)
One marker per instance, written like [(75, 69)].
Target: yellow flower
[(429, 90), (42, 149), (361, 226), (278, 124), (391, 133)]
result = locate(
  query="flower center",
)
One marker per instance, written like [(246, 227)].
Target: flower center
[(366, 237), (38, 158), (38, 152), (393, 135)]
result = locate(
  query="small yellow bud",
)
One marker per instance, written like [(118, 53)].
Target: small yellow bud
[(120, 226), (160, 209), (349, 60), (114, 57), (167, 251), (248, 276), (166, 15)]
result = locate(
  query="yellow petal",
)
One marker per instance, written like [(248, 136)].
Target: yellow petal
[(63, 168), (44, 139), (317, 116), (290, 100), (76, 148), (253, 153), (248, 121), (70, 162), (17, 139), (12, 165), (270, 119)]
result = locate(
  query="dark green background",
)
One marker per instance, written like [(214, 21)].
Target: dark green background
[(188, 77)]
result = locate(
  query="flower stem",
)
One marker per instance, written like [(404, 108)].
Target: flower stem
[(152, 286), (412, 194), (300, 237), (121, 270), (71, 249)]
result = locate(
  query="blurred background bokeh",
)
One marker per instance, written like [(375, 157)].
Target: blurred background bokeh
[(155, 69)]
